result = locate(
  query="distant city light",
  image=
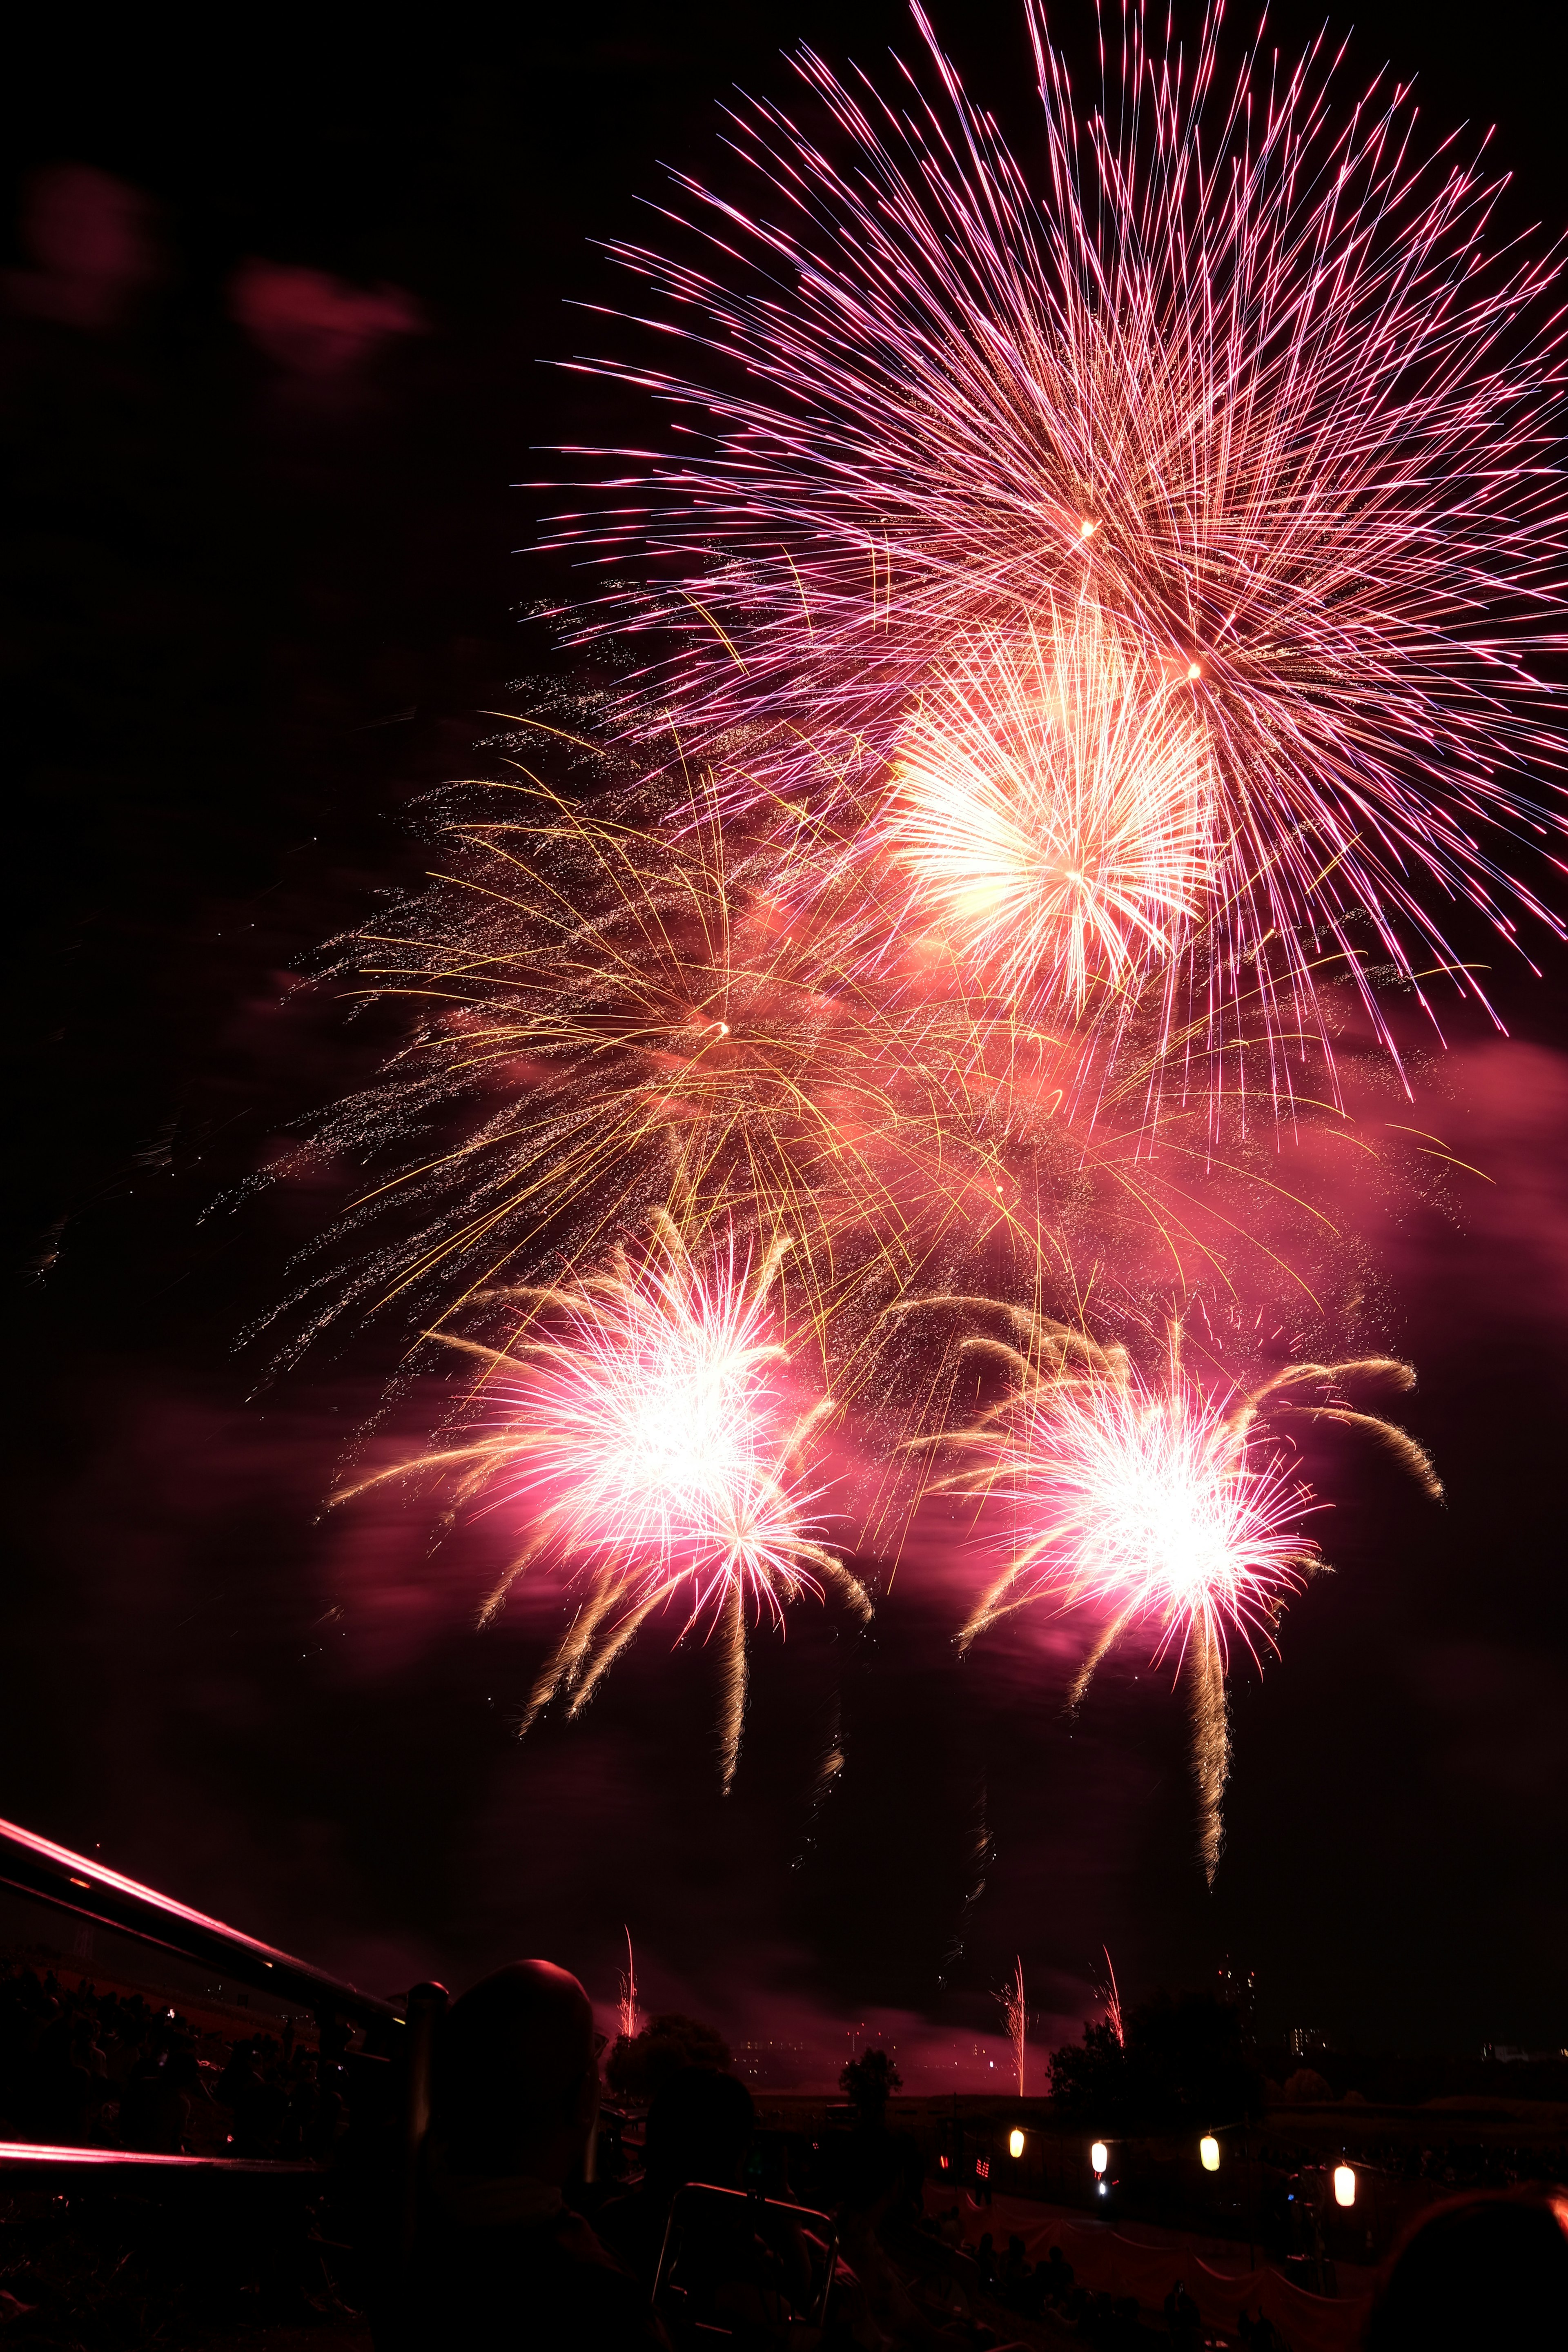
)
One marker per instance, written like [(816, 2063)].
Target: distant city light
[(1208, 2152), (1344, 2185), (1015, 2142)]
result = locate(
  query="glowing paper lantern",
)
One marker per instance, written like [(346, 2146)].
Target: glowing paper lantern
[(1208, 2151), (1015, 2142), (1344, 2185)]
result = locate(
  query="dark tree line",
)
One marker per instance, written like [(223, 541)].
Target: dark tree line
[(1184, 2061)]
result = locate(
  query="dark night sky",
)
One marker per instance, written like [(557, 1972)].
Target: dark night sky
[(244, 626)]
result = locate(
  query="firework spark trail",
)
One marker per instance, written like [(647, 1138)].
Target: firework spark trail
[(1161, 1508), (1015, 2018), (1244, 373), (636, 1428)]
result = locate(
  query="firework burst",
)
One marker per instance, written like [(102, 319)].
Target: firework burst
[(1240, 371), (1161, 1509), (1050, 806), (636, 1432)]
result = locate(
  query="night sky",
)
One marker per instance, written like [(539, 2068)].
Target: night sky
[(249, 615)]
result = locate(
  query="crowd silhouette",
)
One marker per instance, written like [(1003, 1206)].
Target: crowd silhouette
[(495, 2227)]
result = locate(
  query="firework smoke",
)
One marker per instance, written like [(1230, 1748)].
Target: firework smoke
[(619, 1013)]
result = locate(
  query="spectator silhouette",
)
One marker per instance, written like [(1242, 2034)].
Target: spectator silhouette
[(699, 2128), (258, 2102), (1182, 2317), (157, 2106), (502, 2262), (881, 2309), (1057, 2274), (1484, 2270)]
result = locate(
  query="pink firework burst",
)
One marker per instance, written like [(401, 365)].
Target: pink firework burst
[(1158, 1508), (637, 1432), (1051, 807), (1238, 367), (1150, 1505)]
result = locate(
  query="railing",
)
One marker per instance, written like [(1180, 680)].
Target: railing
[(72, 1883)]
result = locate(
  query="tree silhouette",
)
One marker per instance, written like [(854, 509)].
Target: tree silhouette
[(639, 2069), (868, 2082)]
